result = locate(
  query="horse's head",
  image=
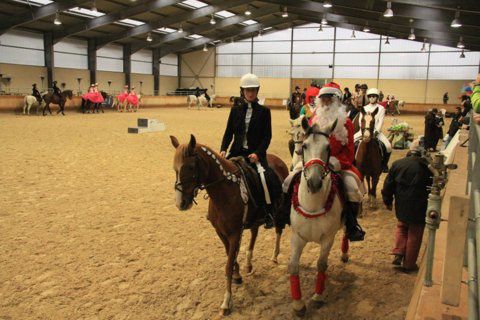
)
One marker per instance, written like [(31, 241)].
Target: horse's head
[(297, 133), (316, 154), (186, 164), (367, 124)]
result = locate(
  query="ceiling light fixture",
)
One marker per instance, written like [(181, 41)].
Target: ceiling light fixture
[(320, 28), (149, 37), (411, 36), (285, 13), (248, 11), (180, 30), (324, 21), (212, 21), (456, 23), (94, 6), (327, 4), (57, 19), (353, 36), (387, 41), (366, 28), (460, 43), (462, 55), (205, 48), (388, 12)]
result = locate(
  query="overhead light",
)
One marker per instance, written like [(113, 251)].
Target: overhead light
[(387, 41), (424, 45), (456, 23), (205, 48), (366, 28), (353, 36), (320, 28), (94, 6), (324, 21), (460, 43), (248, 11), (388, 12), (57, 19), (411, 36), (327, 4), (212, 21), (149, 37), (259, 33), (462, 55), (285, 13)]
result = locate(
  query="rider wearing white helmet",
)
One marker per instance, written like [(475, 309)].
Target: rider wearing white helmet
[(372, 95), (250, 127)]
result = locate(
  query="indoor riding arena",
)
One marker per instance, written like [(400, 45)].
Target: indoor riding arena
[(133, 138)]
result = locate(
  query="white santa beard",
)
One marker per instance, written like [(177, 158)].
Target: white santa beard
[(328, 114)]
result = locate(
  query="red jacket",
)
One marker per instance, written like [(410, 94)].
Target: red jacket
[(345, 153)]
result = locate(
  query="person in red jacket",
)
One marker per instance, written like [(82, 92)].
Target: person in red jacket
[(312, 93)]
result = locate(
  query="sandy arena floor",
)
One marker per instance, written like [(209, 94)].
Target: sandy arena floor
[(89, 230)]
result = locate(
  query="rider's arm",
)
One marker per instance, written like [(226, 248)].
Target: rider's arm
[(267, 136), (380, 117), (227, 136)]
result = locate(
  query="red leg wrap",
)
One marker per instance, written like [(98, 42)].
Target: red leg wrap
[(320, 287), (345, 244), (295, 287)]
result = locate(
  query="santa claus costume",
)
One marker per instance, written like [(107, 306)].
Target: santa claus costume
[(342, 154)]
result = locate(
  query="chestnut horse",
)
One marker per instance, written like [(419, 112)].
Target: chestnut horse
[(368, 157), (199, 167)]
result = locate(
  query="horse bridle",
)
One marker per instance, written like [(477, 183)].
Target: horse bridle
[(198, 185), (316, 161)]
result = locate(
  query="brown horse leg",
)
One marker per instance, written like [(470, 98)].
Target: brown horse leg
[(278, 237), (368, 187), (345, 247), (251, 246), (234, 244)]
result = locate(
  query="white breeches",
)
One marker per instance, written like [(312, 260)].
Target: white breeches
[(383, 139), (354, 188)]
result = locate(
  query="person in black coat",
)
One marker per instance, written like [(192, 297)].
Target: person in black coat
[(407, 183), (454, 125), (36, 93), (56, 90), (250, 126), (431, 132)]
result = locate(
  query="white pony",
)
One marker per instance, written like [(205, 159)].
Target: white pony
[(316, 212), (200, 101), (29, 101), (297, 133)]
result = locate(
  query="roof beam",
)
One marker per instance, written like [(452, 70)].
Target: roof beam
[(218, 5), (374, 10), (468, 5), (387, 32), (241, 32), (207, 27), (139, 7), (30, 15)]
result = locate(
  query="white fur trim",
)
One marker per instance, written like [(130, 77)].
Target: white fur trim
[(326, 115)]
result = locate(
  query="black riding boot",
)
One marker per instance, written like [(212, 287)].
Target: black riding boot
[(386, 158), (354, 231)]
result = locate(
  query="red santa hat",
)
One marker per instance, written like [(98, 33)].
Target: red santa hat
[(331, 88)]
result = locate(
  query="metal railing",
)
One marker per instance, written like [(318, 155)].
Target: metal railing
[(473, 233)]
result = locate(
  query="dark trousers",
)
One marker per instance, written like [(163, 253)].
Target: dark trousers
[(408, 239)]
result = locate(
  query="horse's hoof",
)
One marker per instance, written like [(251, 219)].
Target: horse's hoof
[(249, 270), (238, 281), (344, 259), (275, 260), (226, 312), (317, 304), (301, 312)]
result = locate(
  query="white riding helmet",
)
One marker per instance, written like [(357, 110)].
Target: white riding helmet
[(249, 81), (372, 91)]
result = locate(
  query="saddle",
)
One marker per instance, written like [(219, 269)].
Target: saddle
[(256, 196)]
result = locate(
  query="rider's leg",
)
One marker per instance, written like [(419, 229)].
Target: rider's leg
[(352, 208), (387, 151)]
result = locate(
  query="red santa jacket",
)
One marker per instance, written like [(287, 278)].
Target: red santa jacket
[(345, 153)]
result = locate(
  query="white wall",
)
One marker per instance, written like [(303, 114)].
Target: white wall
[(110, 58), (71, 53), (19, 47)]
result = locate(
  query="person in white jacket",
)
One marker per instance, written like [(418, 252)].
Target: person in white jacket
[(372, 95)]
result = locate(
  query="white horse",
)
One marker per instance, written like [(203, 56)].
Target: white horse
[(200, 101), (192, 100), (316, 213), (296, 131), (29, 101)]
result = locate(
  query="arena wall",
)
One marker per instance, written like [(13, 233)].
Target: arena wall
[(167, 84), (147, 83), (117, 79), (197, 69), (271, 87), (69, 77)]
